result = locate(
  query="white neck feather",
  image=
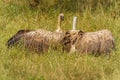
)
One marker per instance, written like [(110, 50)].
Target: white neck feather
[(72, 50), (74, 23), (58, 25)]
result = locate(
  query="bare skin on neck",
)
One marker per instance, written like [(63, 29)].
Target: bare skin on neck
[(73, 49), (60, 19)]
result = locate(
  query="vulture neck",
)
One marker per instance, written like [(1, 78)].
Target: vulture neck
[(74, 23), (73, 49), (59, 25)]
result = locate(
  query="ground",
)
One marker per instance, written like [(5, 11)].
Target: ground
[(18, 64)]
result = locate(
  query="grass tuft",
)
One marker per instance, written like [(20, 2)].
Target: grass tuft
[(17, 64)]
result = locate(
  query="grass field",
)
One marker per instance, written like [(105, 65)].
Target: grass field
[(17, 64)]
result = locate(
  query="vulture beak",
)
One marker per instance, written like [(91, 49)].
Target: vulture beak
[(62, 16)]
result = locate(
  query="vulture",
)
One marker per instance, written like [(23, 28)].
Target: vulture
[(98, 42), (88, 42), (37, 40)]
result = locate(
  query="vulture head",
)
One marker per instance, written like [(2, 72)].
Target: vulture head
[(70, 38), (60, 19)]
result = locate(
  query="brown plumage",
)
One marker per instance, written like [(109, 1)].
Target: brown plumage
[(89, 42), (34, 42), (37, 40), (15, 38)]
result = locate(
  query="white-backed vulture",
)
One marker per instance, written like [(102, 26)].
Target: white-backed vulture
[(88, 42), (37, 40)]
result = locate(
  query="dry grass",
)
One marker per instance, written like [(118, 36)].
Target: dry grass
[(17, 64)]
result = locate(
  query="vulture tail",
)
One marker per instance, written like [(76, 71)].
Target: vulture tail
[(15, 39)]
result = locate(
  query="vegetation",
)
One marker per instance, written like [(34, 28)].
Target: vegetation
[(93, 15)]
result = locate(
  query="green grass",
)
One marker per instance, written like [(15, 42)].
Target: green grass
[(17, 64)]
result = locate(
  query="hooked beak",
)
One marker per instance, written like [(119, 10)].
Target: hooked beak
[(62, 18)]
